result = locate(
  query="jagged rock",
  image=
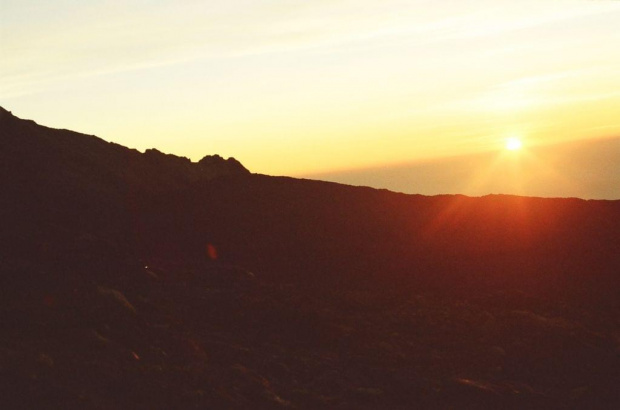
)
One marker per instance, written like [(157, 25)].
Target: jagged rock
[(160, 158), (215, 165)]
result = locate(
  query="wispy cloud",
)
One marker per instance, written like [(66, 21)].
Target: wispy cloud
[(42, 44), (540, 91)]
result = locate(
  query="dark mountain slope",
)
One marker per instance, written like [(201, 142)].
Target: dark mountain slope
[(135, 280), (160, 206), (315, 227), (59, 180)]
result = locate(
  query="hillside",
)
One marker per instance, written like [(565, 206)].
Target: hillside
[(144, 280)]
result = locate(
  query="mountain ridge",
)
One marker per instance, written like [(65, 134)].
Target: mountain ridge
[(213, 165), (153, 198), (134, 280)]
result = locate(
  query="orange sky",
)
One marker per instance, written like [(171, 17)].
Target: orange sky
[(300, 88)]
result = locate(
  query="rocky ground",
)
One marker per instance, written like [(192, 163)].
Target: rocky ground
[(216, 336)]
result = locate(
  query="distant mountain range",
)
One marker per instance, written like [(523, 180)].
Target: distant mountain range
[(580, 169), (132, 252)]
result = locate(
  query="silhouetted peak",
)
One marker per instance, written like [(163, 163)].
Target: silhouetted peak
[(154, 152), (7, 117), (5, 114), (60, 150), (211, 159), (221, 166), (157, 156)]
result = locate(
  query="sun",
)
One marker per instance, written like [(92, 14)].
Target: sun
[(513, 144)]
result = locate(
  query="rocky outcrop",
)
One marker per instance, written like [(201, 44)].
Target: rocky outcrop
[(212, 165), (58, 185), (72, 156)]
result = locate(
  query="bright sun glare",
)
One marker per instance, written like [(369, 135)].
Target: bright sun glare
[(513, 144)]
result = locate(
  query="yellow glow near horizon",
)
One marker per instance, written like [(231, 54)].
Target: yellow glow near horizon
[(299, 88)]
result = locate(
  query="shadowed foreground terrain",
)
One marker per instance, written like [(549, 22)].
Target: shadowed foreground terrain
[(135, 280)]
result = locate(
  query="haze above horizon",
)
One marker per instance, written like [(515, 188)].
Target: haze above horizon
[(308, 88)]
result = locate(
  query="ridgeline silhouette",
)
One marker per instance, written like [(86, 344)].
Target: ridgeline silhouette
[(144, 280)]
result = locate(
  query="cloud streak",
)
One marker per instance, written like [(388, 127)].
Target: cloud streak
[(100, 37)]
